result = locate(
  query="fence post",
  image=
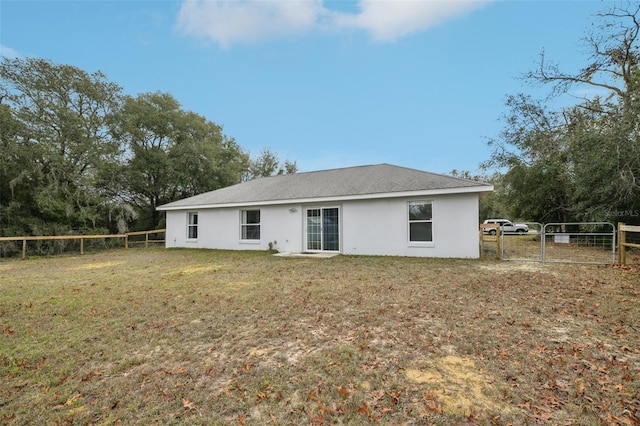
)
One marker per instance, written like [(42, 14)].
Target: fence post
[(81, 245), (498, 243), (483, 228), (24, 249), (146, 240), (622, 239), (126, 241)]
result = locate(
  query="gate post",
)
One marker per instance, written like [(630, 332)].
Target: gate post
[(622, 239), (483, 228), (543, 243)]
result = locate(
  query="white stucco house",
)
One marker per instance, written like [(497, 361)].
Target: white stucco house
[(366, 210)]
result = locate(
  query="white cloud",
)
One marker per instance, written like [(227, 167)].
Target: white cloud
[(389, 20), (8, 52), (232, 21), (243, 21)]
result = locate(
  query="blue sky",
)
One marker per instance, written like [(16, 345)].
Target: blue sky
[(416, 83)]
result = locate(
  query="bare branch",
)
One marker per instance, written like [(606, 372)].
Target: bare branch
[(613, 60)]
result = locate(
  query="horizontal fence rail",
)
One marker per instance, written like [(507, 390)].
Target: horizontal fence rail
[(624, 243), (576, 242), (126, 237), (490, 233), (523, 246), (146, 240), (579, 242)]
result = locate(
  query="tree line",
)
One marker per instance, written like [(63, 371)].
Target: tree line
[(580, 162), (79, 156)]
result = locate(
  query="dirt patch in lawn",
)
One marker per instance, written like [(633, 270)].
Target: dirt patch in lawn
[(458, 384), (200, 269)]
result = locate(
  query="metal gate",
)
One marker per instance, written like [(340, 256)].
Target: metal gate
[(583, 242), (524, 246)]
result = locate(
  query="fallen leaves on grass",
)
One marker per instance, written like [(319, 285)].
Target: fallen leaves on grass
[(246, 338), (628, 268), (188, 404)]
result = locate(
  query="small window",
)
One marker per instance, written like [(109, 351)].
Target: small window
[(250, 225), (420, 222), (192, 227)]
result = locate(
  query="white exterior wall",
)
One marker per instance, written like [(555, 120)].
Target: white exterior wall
[(220, 228), (380, 227), (367, 227)]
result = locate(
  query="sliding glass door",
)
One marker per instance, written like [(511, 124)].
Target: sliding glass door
[(323, 229)]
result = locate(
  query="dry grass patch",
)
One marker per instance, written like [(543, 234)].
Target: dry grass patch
[(98, 265), (212, 337)]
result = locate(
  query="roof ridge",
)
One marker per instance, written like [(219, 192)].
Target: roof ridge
[(278, 176), (345, 168)]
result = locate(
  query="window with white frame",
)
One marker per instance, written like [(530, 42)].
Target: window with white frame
[(250, 225), (192, 227), (420, 222)]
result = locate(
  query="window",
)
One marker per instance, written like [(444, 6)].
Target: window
[(420, 222), (192, 227), (250, 225)]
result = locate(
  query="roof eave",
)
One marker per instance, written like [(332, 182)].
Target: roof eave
[(479, 189)]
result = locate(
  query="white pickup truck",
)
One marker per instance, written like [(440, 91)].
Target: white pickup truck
[(506, 226)]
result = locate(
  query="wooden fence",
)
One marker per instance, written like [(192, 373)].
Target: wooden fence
[(623, 244), (490, 238), (146, 241), (125, 237)]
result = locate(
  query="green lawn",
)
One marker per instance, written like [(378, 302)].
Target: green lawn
[(213, 337)]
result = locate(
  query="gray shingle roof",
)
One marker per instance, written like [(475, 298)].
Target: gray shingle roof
[(336, 183)]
